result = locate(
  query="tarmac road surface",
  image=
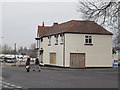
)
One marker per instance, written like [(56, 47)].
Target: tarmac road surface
[(89, 78)]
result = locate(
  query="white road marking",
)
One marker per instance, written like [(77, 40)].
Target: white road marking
[(5, 86), (13, 85), (6, 83), (18, 87), (9, 85)]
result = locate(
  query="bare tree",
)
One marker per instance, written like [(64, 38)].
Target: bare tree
[(0, 49), (25, 48), (32, 46), (100, 11), (20, 50), (6, 49), (103, 12), (32, 50)]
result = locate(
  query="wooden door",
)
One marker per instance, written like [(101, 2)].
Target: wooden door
[(77, 60), (41, 57), (53, 58)]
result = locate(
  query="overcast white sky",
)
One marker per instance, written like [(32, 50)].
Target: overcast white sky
[(20, 19)]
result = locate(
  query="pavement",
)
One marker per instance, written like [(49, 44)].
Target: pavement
[(51, 77)]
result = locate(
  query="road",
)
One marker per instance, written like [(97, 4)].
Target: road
[(60, 78)]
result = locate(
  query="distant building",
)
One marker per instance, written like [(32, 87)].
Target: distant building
[(75, 44)]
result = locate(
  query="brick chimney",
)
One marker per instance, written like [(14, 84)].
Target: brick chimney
[(43, 24), (55, 24)]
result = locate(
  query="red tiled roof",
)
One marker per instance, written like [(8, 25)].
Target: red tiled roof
[(73, 26)]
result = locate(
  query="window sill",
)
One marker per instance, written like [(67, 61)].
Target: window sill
[(56, 44), (49, 44), (89, 44), (61, 43)]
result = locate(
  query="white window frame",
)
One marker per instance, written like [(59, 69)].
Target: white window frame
[(49, 40), (56, 39), (88, 38), (62, 38)]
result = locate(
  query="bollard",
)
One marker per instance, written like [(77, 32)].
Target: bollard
[(115, 63)]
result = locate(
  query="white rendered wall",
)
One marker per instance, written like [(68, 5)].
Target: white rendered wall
[(98, 55), (58, 49)]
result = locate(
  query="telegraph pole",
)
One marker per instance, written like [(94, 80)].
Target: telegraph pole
[(1, 44), (15, 51)]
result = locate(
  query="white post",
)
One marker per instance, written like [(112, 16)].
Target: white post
[(38, 53), (38, 50)]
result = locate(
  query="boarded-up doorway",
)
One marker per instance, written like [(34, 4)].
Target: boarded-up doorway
[(52, 58), (77, 60)]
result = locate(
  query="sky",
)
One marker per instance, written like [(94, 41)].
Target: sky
[(0, 23), (21, 19)]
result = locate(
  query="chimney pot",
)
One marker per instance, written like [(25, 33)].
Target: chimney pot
[(55, 24), (43, 24)]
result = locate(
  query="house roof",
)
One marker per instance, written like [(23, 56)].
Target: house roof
[(73, 26)]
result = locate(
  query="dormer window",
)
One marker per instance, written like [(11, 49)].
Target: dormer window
[(62, 38), (56, 39), (88, 40), (49, 40)]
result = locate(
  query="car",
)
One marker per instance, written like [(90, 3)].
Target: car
[(1, 60), (24, 59), (19, 58), (32, 59), (10, 59)]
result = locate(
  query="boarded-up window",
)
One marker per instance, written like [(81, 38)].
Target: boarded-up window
[(53, 58)]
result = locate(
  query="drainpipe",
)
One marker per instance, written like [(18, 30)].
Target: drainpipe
[(64, 51)]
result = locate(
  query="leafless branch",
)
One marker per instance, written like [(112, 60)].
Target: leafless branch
[(102, 12)]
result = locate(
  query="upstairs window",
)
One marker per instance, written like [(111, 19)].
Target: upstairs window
[(88, 40), (62, 38), (56, 39), (49, 42)]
